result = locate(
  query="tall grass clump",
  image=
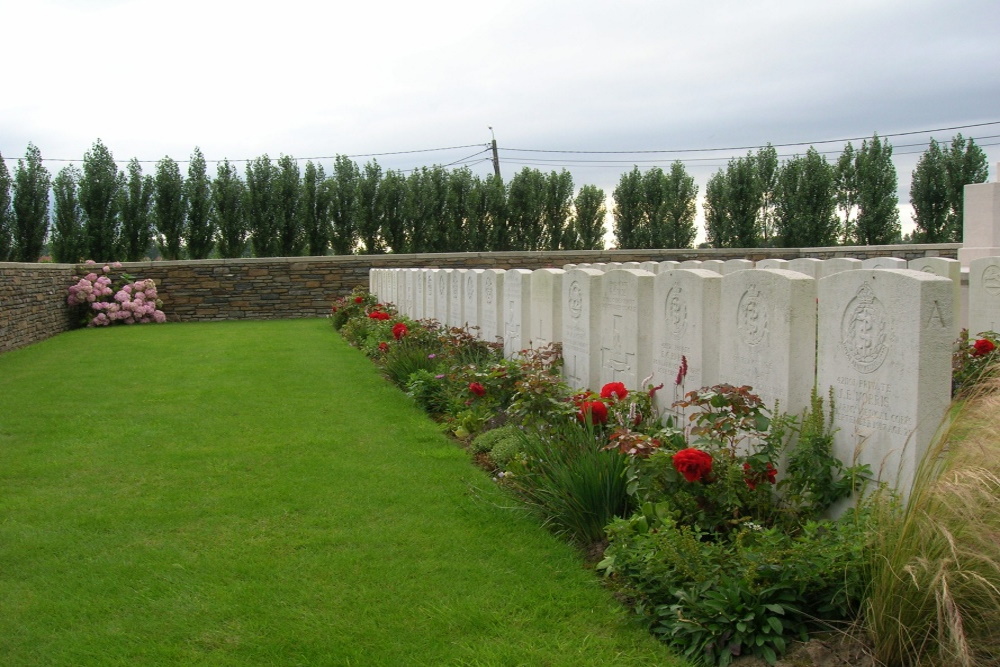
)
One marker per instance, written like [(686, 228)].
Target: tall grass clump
[(935, 568)]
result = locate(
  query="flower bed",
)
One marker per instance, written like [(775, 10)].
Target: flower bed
[(102, 299)]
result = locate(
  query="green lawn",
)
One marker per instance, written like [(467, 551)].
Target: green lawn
[(254, 493)]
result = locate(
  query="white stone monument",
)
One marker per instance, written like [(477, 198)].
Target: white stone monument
[(810, 266), (517, 311), (626, 328), (884, 263), (980, 221), (581, 327), (546, 307), (984, 295), (952, 270), (491, 301)]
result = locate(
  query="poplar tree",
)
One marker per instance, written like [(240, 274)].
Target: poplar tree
[(68, 241), (526, 208), (392, 211), (929, 196), (287, 187), (805, 203), (733, 201), (228, 213), (965, 163), (260, 208), (344, 205), (589, 212), (99, 200), (495, 233), (628, 210), (6, 215), (369, 215), (31, 206), (679, 209), (314, 205), (168, 208), (846, 179), (461, 189), (199, 229), (557, 210), (717, 224), (136, 206), (878, 215), (768, 170)]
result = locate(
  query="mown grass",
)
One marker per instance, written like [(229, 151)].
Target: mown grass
[(254, 493)]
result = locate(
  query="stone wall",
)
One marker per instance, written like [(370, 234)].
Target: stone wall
[(32, 303), (32, 296)]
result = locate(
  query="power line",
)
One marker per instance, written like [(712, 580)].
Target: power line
[(743, 148)]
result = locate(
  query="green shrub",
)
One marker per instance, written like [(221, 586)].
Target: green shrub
[(507, 448), (485, 442)]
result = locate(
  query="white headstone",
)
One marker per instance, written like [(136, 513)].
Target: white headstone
[(691, 264), (470, 301), (430, 276), (952, 270), (885, 348), (442, 296), (546, 307), (456, 311), (980, 222), (770, 321), (652, 267), (713, 265), (734, 265), (838, 264), (984, 295), (668, 265), (581, 322), (808, 265), (517, 311), (685, 324), (883, 263), (491, 302), (626, 328), (773, 264)]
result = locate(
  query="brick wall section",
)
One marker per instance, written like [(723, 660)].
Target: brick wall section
[(32, 303), (33, 306)]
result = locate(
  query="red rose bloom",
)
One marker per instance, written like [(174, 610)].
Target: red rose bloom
[(379, 315), (982, 346), (477, 389), (694, 464), (614, 390), (399, 330), (594, 411), (383, 346), (359, 299), (754, 478)]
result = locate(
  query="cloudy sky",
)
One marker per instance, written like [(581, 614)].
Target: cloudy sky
[(315, 79)]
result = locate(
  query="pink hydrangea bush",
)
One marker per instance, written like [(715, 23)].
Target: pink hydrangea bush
[(103, 302)]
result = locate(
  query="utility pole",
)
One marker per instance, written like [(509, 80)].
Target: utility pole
[(496, 158)]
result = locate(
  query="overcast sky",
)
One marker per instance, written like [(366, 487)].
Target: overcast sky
[(316, 79)]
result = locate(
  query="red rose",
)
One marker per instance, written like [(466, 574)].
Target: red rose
[(594, 411), (399, 330), (379, 315), (754, 478), (982, 346), (694, 464), (614, 390), (383, 346), (477, 389), (358, 299)]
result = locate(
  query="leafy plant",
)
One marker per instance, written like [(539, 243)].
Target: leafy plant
[(974, 362), (102, 300)]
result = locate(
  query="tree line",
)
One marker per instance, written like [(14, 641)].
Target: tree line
[(277, 209), (804, 202)]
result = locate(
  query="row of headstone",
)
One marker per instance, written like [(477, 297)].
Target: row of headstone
[(879, 337)]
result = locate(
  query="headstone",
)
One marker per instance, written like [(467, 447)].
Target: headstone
[(669, 265), (626, 328), (470, 301), (980, 221), (442, 298), (810, 266), (373, 278), (773, 264), (410, 294), (984, 295), (691, 264), (685, 324), (491, 302), (713, 265), (568, 267), (517, 311), (631, 265), (456, 312), (430, 285), (952, 270), (652, 267), (546, 307), (885, 348), (838, 264), (581, 322), (883, 263), (734, 265), (770, 321)]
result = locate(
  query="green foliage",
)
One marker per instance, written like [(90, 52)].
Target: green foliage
[(392, 195), (6, 239), (136, 205), (525, 209), (405, 357), (369, 212), (655, 209), (169, 208), (571, 480), (199, 228), (260, 207), (929, 196), (287, 188), (966, 163), (556, 211), (628, 210), (588, 218), (314, 204), (847, 188), (974, 362), (805, 203), (31, 206), (733, 201), (488, 440), (68, 242), (878, 216), (342, 187), (98, 195), (228, 210)]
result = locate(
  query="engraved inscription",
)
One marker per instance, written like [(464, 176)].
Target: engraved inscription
[(991, 280), (675, 308), (864, 331), (575, 300), (751, 316)]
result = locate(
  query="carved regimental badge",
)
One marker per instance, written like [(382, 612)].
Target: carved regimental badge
[(488, 290), (864, 331), (751, 316), (575, 300), (675, 310), (991, 279)]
